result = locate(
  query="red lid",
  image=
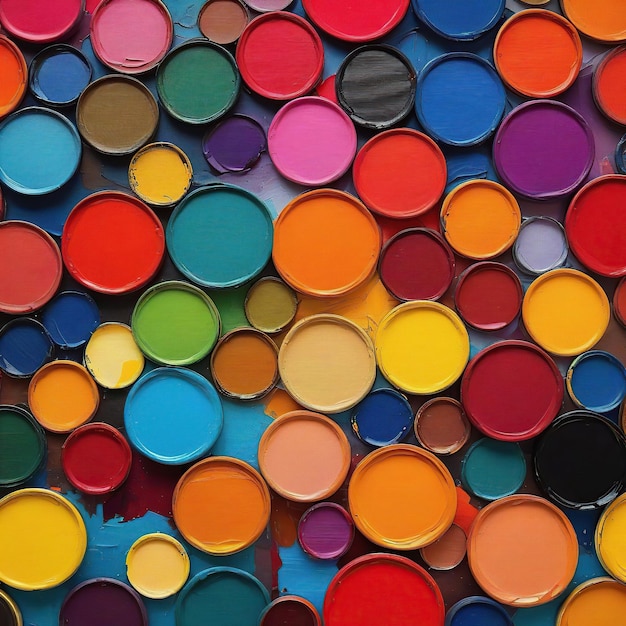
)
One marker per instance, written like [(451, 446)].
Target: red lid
[(619, 302), (609, 85), (40, 22)]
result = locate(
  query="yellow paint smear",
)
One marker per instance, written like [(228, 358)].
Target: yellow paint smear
[(596, 602), (610, 539)]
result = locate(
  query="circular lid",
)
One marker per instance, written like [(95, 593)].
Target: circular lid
[(311, 141), (270, 305), (609, 538), (96, 458), (416, 264), (198, 82), (522, 550), (383, 589), (290, 459), (175, 323), (244, 364), (112, 242), (326, 243), (422, 347), (459, 20), (326, 363), (565, 311), (102, 601), (290, 609), (529, 390), (368, 100), (223, 21), (280, 40), (157, 565), (488, 296), (58, 75), (220, 235), (30, 267), (619, 302), (40, 22), (448, 551), (221, 505), (9, 611), (607, 25), (400, 173), (460, 98), (596, 380), (477, 610), (543, 149), (42, 539), (99, 109), (540, 246), (620, 155), (384, 416), (112, 356), (24, 347), (14, 76), (595, 222), (131, 36), (326, 531), (22, 446), (51, 164), (62, 395), (173, 415), (580, 461), (480, 219), (538, 53), (70, 318), (264, 6), (492, 469), (597, 600), (402, 497), (229, 595), (160, 174), (363, 22), (441, 425)]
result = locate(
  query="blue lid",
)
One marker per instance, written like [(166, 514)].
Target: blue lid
[(460, 99), (477, 611), (24, 347), (220, 236), (70, 318), (173, 415)]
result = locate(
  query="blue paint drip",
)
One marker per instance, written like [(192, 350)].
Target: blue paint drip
[(597, 381), (24, 347), (70, 318)]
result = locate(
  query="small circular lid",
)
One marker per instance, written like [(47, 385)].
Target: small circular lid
[(446, 552), (24, 347), (223, 21), (609, 538), (597, 599), (540, 246), (441, 425), (40, 22), (9, 611), (14, 76), (620, 155), (407, 479), (290, 609), (607, 25), (619, 302), (270, 305), (475, 610), (265, 6), (70, 318), (96, 458), (326, 530), (608, 85)]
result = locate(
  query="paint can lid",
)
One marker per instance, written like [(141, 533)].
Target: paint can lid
[(158, 428), (565, 311), (619, 302), (383, 588), (459, 20), (400, 173), (446, 552), (112, 242), (543, 149), (459, 112), (369, 101), (488, 296), (270, 305), (402, 497), (70, 318), (98, 114), (22, 446), (620, 155), (220, 236), (96, 458), (175, 323), (224, 593), (10, 613), (102, 601), (475, 610), (580, 460), (40, 22), (416, 264), (480, 219), (157, 565), (14, 76), (607, 26), (529, 535), (284, 40), (441, 425), (290, 609), (265, 6), (131, 36), (54, 161), (326, 531), (45, 530), (383, 417), (25, 346), (326, 243), (290, 459), (538, 53), (62, 396), (608, 538), (329, 381), (529, 390), (600, 599), (221, 505), (311, 141), (594, 223), (540, 246), (422, 347), (223, 21)]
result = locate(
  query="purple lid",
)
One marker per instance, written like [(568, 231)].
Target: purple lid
[(326, 531)]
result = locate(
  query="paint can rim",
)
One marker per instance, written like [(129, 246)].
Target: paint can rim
[(302, 537), (517, 257), (47, 355), (451, 449), (244, 10), (583, 587), (13, 608), (473, 600)]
